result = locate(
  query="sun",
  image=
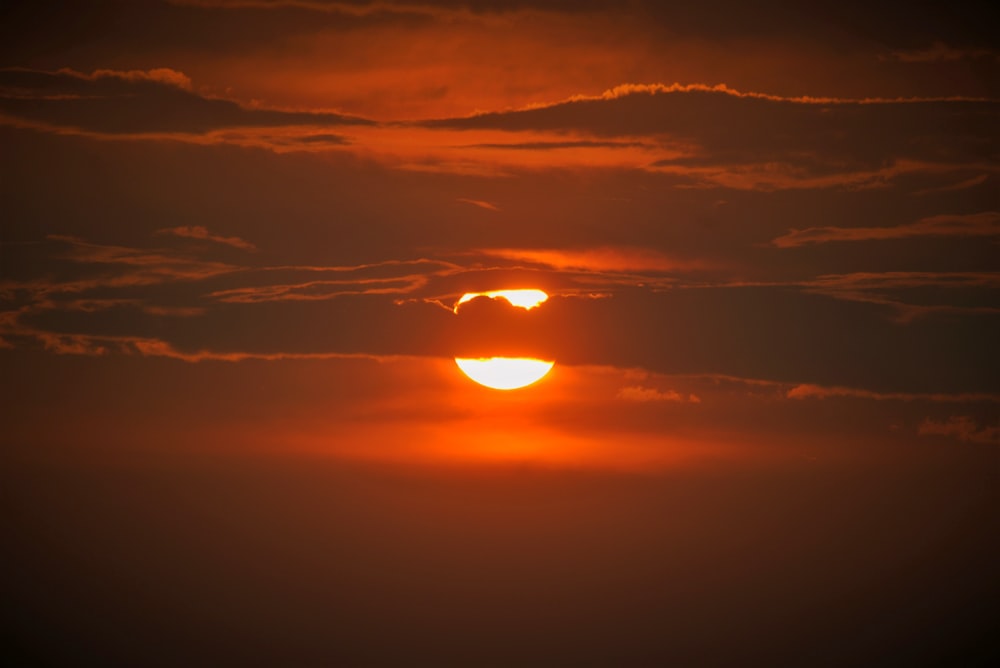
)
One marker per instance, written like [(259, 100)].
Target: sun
[(504, 373), (524, 298)]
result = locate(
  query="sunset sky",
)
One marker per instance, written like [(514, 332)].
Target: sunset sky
[(234, 233)]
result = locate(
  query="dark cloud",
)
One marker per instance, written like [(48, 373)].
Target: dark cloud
[(135, 102), (800, 138), (200, 233), (558, 145), (985, 224), (962, 427)]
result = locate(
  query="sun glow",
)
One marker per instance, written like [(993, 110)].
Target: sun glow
[(526, 299), (504, 373)]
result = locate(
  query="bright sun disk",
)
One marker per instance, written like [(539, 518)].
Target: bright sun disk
[(504, 373)]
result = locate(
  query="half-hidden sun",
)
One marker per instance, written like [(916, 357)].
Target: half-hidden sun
[(526, 299), (505, 373)]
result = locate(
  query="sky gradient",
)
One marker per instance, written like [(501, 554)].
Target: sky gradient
[(234, 234)]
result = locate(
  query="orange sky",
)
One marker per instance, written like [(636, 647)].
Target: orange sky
[(234, 234)]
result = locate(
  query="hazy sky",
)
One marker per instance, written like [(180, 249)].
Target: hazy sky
[(233, 233)]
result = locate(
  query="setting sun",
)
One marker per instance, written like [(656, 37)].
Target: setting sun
[(284, 283), (504, 373)]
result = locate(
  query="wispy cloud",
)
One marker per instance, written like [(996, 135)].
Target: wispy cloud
[(98, 346), (355, 9), (158, 348), (964, 184), (202, 234), (939, 52), (639, 393), (984, 224), (321, 290), (962, 427), (627, 259), (143, 266), (482, 204), (136, 102), (757, 140), (560, 145), (806, 391), (897, 289)]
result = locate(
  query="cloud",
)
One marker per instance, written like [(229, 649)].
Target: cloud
[(806, 391), (753, 141), (489, 206), (163, 75), (559, 145), (963, 428), (763, 141), (81, 295), (596, 259), (202, 234), (116, 102), (913, 294), (320, 290), (353, 9), (99, 346), (639, 393), (962, 225), (139, 266), (939, 52), (952, 187), (158, 348)]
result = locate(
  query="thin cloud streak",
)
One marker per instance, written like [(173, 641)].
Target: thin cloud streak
[(952, 187), (135, 102), (939, 52), (983, 224), (962, 427), (619, 259), (482, 204), (807, 391), (202, 234), (644, 394), (358, 10)]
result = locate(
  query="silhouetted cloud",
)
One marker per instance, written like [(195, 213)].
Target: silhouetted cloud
[(913, 294), (202, 234), (560, 145), (952, 187), (134, 102), (941, 52), (820, 392), (639, 393), (961, 427), (613, 259), (962, 225), (760, 140), (482, 204)]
